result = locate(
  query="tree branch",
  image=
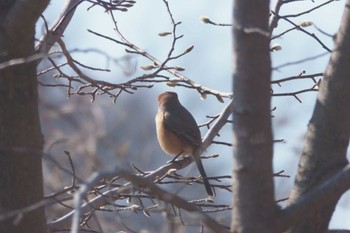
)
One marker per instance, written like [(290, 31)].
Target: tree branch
[(327, 139), (55, 32), (145, 185), (327, 192)]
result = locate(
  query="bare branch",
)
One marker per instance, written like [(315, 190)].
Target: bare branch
[(303, 30), (151, 188), (275, 19), (310, 10), (301, 61), (19, 61), (55, 32), (161, 65), (316, 199), (301, 76), (206, 20)]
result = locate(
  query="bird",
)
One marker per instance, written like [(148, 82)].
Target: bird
[(178, 133)]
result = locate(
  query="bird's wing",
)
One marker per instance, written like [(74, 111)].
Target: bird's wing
[(183, 125)]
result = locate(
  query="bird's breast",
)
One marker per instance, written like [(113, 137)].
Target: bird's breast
[(168, 141)]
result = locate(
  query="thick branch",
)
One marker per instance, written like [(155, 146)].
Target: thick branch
[(55, 32), (327, 139), (328, 192)]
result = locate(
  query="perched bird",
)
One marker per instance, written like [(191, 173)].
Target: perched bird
[(178, 133)]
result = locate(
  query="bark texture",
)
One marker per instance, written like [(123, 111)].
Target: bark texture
[(21, 141), (327, 139), (254, 207)]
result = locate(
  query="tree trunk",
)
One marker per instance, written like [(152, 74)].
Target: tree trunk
[(327, 139), (254, 207), (21, 141)]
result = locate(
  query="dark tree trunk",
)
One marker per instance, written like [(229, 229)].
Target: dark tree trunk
[(21, 141), (327, 139), (254, 207)]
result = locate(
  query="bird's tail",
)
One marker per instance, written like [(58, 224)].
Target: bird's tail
[(204, 176)]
